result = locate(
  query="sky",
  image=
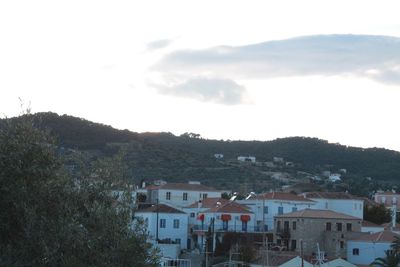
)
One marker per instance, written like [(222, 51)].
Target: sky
[(238, 70)]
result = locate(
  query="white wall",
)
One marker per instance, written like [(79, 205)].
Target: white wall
[(176, 199), (256, 206), (368, 251), (169, 231), (372, 230), (352, 207)]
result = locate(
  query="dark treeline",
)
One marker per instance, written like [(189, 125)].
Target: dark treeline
[(176, 158)]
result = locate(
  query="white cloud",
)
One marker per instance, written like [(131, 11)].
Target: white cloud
[(158, 44), (309, 55), (217, 90)]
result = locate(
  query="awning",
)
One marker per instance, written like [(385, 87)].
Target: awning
[(226, 217), (245, 218), (200, 217)]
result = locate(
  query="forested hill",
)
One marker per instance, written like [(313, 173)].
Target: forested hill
[(188, 157)]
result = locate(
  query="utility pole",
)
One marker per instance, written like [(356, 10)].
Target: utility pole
[(301, 253), (157, 220)]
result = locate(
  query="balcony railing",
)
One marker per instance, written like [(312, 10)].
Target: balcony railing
[(230, 228)]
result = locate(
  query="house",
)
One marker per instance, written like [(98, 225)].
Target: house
[(278, 159), (338, 263), (334, 177), (219, 156), (251, 159), (180, 194), (329, 229), (387, 199), (199, 207), (366, 248), (267, 206), (338, 201), (166, 224), (369, 227), (222, 218), (281, 260)]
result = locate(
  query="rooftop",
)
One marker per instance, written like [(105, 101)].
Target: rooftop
[(183, 186), (330, 195), (382, 237), (160, 208), (229, 207), (369, 224), (208, 203), (282, 196), (317, 214)]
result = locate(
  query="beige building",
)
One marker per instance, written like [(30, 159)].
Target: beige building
[(329, 229)]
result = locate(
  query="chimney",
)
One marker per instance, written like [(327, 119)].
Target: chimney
[(394, 212)]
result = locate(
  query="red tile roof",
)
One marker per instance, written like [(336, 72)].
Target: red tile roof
[(283, 196), (229, 207), (183, 186), (369, 224), (208, 202), (330, 195), (317, 214), (161, 208), (382, 237)]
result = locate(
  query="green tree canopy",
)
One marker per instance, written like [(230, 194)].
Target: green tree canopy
[(49, 219)]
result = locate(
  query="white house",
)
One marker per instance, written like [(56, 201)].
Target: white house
[(199, 207), (222, 217), (266, 206), (247, 159), (366, 248), (369, 227), (338, 263), (166, 224), (334, 177), (180, 194), (219, 156), (282, 261), (337, 201)]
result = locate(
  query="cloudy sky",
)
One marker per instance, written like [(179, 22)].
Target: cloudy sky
[(248, 70)]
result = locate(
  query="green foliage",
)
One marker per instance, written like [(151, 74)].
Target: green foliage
[(180, 158), (377, 214), (391, 260), (49, 219)]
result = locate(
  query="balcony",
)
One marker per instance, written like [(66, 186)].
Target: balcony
[(231, 228)]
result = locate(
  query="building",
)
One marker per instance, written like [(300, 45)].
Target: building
[(329, 229), (251, 159), (267, 206), (338, 201), (281, 260), (369, 227), (220, 218), (387, 199), (180, 194), (366, 248), (338, 263), (166, 224)]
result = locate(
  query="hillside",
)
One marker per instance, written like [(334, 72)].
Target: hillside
[(180, 158)]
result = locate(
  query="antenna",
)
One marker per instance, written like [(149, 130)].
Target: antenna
[(250, 195), (234, 196)]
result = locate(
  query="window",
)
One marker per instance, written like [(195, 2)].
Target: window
[(280, 210), (225, 225), (328, 226), (176, 223), (341, 244), (163, 223), (177, 240), (356, 251), (168, 196), (293, 245), (279, 242), (294, 225), (348, 227), (265, 227), (204, 196), (278, 225), (339, 226), (244, 226), (266, 210), (286, 225), (192, 214), (185, 196), (294, 209)]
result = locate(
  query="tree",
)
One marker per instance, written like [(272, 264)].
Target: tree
[(49, 219), (377, 214), (391, 260)]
